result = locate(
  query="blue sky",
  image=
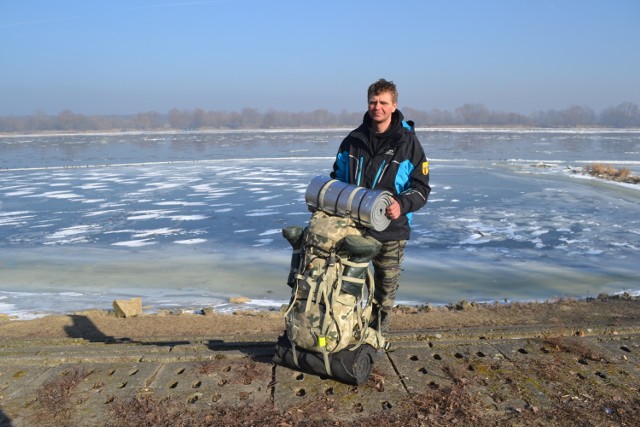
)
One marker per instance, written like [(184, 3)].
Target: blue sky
[(120, 57)]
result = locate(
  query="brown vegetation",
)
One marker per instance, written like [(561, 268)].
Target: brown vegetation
[(457, 404), (54, 396), (609, 172), (448, 406)]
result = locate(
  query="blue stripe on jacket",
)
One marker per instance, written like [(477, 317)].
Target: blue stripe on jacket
[(342, 161), (403, 180)]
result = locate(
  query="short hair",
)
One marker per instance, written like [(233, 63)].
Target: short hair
[(383, 85)]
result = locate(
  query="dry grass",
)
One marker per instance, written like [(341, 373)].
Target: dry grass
[(575, 346), (455, 405), (54, 396), (458, 404), (448, 406), (609, 172), (216, 364), (244, 370)]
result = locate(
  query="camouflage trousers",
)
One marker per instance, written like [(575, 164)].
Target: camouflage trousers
[(387, 266)]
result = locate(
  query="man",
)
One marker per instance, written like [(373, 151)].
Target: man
[(384, 153)]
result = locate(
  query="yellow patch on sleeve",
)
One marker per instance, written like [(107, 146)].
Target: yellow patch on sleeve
[(425, 168)]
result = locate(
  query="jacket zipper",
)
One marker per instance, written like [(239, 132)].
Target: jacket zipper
[(378, 174)]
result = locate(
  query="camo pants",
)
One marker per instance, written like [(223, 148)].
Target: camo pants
[(387, 266)]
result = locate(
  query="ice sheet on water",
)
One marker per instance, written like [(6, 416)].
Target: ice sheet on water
[(135, 243), (149, 214), (58, 195), (187, 217), (190, 241), (267, 198), (261, 212), (141, 234), (179, 203), (74, 231), (270, 232), (538, 225), (24, 192)]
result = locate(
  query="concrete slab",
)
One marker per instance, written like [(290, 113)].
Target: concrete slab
[(420, 368), (382, 392), (516, 374)]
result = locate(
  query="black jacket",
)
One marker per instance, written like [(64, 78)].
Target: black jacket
[(393, 161)]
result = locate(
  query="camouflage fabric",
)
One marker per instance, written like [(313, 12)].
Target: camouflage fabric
[(321, 316), (387, 268), (326, 231)]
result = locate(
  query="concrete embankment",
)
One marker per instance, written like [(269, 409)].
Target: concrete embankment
[(505, 375)]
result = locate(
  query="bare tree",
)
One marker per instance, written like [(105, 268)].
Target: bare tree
[(473, 114), (626, 114), (576, 115)]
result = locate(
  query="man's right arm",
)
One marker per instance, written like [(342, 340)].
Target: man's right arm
[(341, 167)]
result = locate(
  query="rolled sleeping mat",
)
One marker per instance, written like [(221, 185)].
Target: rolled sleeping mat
[(348, 366), (366, 207)]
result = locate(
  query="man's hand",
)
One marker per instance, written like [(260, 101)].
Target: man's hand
[(393, 210)]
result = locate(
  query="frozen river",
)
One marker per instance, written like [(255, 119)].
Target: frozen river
[(189, 219)]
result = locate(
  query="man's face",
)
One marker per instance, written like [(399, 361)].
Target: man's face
[(381, 106)]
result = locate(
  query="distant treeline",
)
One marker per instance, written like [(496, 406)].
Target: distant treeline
[(625, 115)]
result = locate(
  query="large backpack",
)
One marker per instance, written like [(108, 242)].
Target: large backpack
[(332, 290)]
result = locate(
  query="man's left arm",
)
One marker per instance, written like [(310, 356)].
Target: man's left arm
[(417, 193)]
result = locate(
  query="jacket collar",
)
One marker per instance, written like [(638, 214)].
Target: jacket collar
[(396, 123)]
